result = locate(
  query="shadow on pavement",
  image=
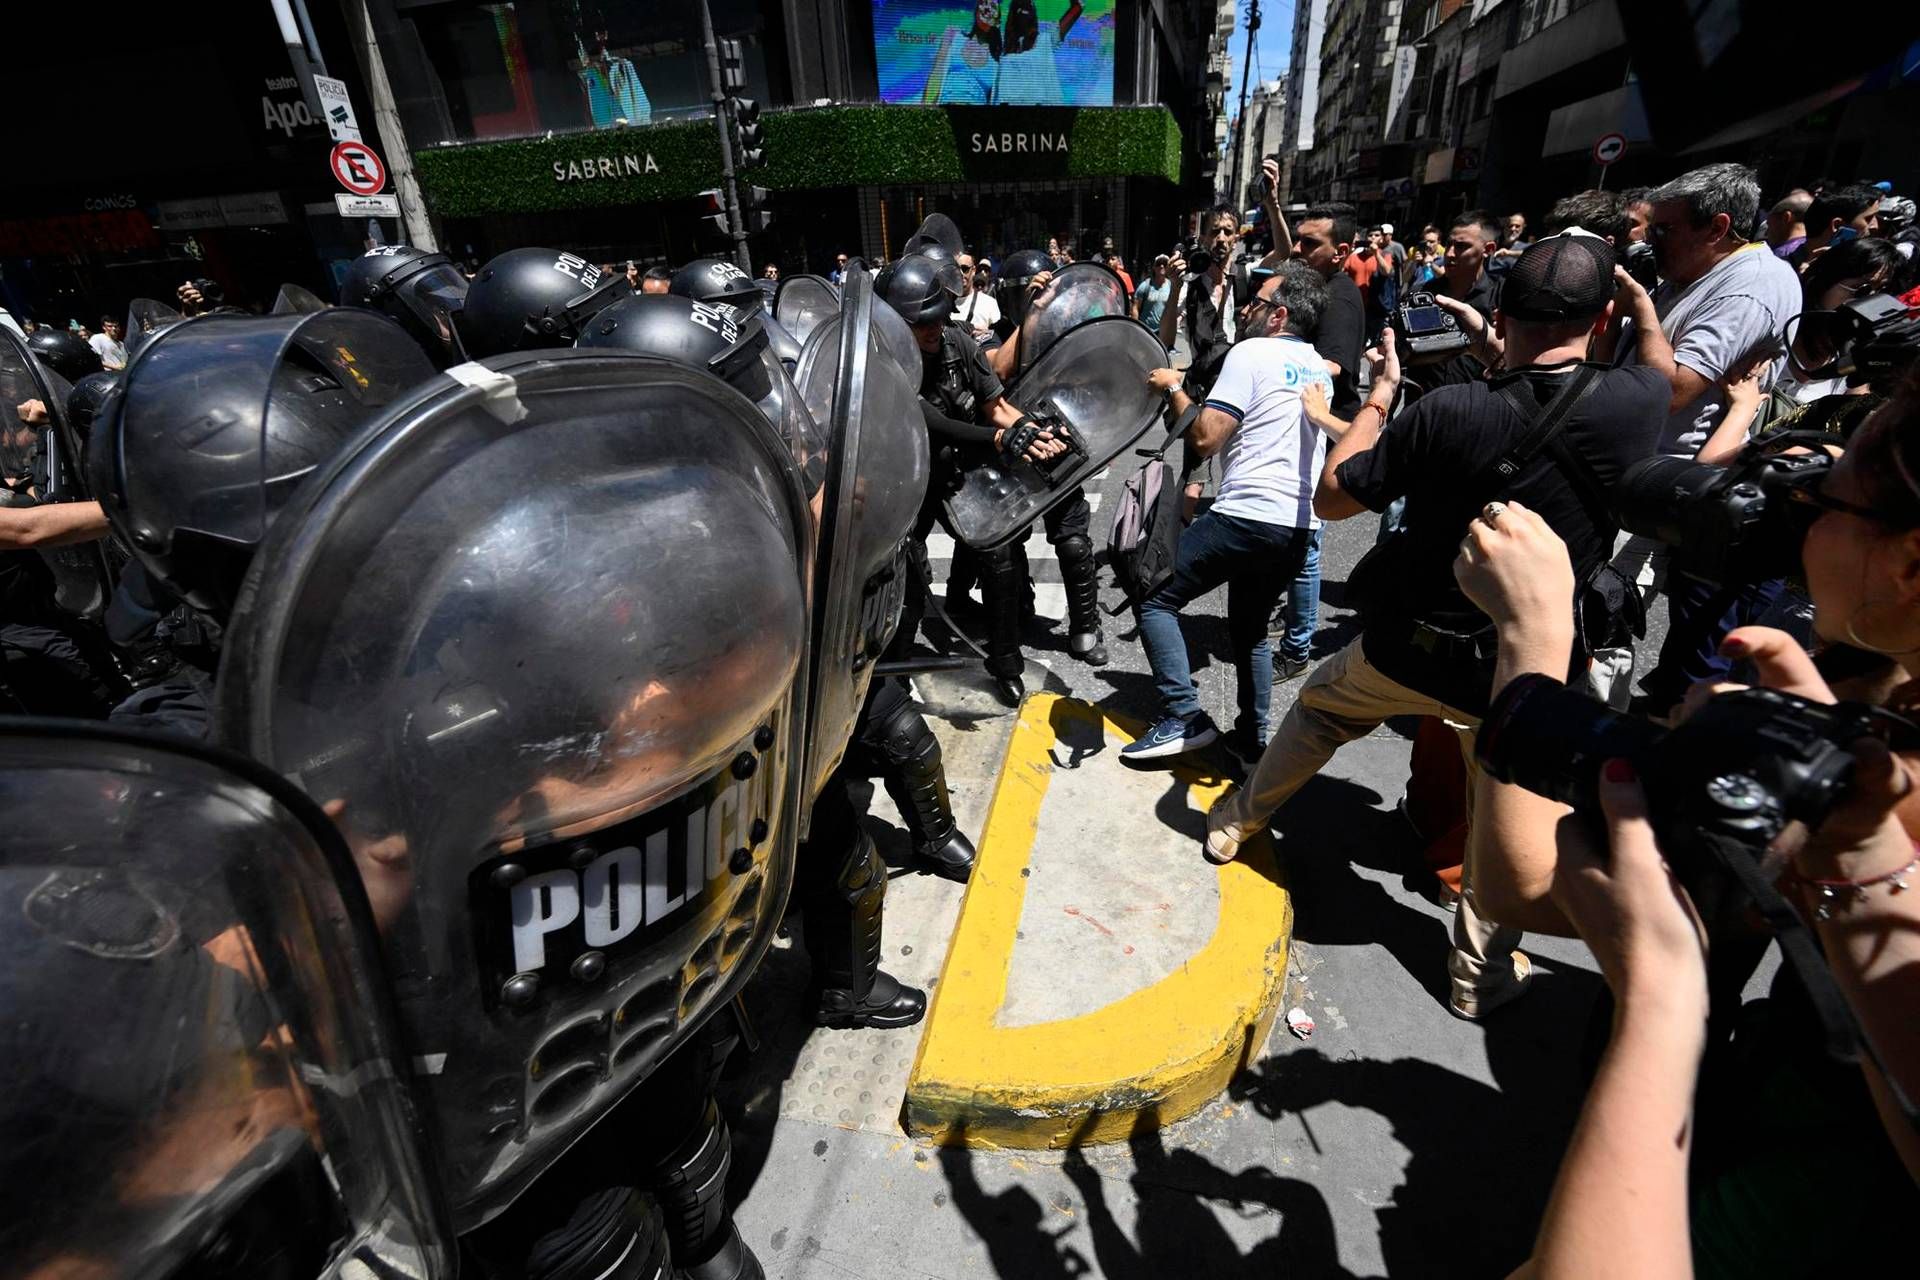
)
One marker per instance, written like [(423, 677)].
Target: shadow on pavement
[(1481, 1158), (1177, 1196)]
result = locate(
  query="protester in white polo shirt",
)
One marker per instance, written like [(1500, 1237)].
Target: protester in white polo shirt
[(1255, 536)]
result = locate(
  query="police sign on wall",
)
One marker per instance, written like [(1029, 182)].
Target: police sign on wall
[(1011, 143)]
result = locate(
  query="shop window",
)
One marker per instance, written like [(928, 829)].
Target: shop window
[(515, 70)]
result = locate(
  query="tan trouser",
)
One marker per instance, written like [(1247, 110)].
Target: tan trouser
[(1347, 698)]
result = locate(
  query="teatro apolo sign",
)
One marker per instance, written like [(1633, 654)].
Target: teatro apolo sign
[(593, 168)]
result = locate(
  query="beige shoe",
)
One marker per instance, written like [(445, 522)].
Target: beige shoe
[(1225, 838), (1474, 1003)]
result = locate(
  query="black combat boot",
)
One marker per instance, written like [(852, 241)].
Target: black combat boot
[(1001, 587), (844, 940), (1082, 575), (917, 781)]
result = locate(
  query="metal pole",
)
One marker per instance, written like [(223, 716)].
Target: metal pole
[(416, 228), (313, 41), (1240, 133), (723, 120), (298, 56)]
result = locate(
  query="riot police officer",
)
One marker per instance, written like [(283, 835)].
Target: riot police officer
[(530, 299), (210, 406), (843, 921), (1025, 275), (423, 292), (968, 415), (53, 658), (715, 280)]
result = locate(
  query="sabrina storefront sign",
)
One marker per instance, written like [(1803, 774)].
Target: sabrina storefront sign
[(593, 168)]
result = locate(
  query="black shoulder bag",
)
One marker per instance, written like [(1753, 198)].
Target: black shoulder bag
[(1377, 584)]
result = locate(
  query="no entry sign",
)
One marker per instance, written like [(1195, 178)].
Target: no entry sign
[(358, 168), (1609, 147)]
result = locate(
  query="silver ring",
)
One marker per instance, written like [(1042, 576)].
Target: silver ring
[(1493, 511)]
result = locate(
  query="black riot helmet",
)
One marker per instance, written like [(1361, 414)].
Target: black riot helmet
[(67, 354), (85, 400), (730, 342), (915, 287), (717, 280), (424, 292), (938, 231), (221, 420), (1010, 288), (527, 299), (723, 340)]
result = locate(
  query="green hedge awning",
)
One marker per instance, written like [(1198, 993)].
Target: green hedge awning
[(806, 147)]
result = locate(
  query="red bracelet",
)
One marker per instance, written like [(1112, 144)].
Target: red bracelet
[(1830, 892)]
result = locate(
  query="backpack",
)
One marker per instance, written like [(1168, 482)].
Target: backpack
[(1143, 538)]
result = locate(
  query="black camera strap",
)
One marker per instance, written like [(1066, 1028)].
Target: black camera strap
[(1840, 1031), (1547, 422)]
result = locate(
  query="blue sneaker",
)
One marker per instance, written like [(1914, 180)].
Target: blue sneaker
[(1172, 737)]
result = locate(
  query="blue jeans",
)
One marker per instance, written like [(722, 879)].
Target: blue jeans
[(1302, 610), (1256, 561)]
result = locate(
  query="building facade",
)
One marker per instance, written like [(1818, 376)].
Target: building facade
[(538, 123), (188, 149), (1303, 86), (1505, 101)]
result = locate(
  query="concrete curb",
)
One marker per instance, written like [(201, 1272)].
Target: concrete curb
[(1147, 1059)]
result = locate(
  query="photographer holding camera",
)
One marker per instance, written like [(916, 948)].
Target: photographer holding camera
[(1830, 1153), (1553, 431)]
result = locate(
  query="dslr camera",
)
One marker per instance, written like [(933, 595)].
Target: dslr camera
[(1869, 341), (1425, 331), (1639, 262), (1732, 525), (1740, 768)]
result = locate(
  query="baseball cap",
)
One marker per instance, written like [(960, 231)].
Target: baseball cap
[(1387, 227), (1563, 277)]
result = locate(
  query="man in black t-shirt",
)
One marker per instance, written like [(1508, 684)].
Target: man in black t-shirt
[(1322, 238), (1427, 650)]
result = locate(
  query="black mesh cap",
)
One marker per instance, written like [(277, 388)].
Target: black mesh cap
[(1563, 277)]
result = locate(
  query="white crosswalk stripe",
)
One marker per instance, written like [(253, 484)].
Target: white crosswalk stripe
[(1043, 563)]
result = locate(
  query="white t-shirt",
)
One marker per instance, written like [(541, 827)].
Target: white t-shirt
[(112, 354), (1715, 324), (1272, 460), (977, 311)]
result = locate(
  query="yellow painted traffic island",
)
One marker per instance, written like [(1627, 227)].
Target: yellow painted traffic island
[(1103, 974)]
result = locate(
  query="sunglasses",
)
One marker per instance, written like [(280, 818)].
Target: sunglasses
[(1809, 489)]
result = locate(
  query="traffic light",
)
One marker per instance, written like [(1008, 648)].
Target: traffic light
[(733, 67), (753, 208), (714, 206), (749, 135)]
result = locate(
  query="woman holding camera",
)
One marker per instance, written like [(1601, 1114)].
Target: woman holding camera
[(1806, 1170)]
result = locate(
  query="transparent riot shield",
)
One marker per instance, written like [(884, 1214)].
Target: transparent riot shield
[(783, 344), (540, 634), (1078, 292), (41, 458), (1094, 380), (295, 300), (223, 416), (146, 320), (877, 474), (196, 1035), (803, 302)]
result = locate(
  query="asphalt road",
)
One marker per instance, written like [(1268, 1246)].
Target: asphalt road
[(1398, 1140)]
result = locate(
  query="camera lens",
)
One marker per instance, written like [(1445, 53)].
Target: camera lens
[(1655, 497), (1543, 736)]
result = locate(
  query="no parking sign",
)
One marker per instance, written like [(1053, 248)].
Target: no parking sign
[(357, 167)]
